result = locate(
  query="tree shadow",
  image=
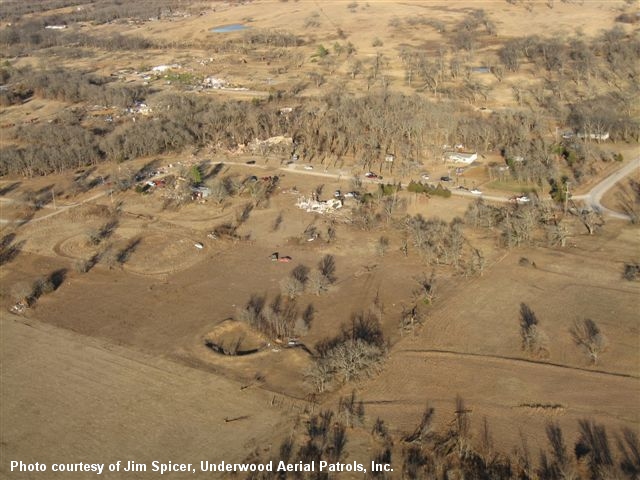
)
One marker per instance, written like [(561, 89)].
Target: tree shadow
[(213, 172), (9, 188), (127, 251), (107, 229), (8, 249), (58, 277)]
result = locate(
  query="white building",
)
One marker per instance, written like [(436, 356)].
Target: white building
[(461, 157)]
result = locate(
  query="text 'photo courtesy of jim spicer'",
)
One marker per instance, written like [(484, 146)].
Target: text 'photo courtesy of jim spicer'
[(320, 240)]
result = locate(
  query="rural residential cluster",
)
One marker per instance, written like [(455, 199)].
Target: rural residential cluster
[(320, 239)]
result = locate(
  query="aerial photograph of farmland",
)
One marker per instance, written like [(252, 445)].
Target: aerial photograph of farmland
[(320, 239)]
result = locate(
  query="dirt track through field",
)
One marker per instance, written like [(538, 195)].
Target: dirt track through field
[(509, 360)]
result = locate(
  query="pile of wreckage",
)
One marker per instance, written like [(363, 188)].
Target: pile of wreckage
[(319, 206)]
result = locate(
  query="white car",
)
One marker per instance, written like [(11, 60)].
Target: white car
[(475, 191), (424, 176), (308, 167), (523, 199)]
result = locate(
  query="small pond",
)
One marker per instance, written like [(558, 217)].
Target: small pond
[(234, 27)]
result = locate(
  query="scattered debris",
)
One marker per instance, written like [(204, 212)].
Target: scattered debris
[(18, 308), (325, 206)]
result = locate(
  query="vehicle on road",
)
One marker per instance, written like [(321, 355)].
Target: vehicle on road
[(308, 167), (445, 179), (370, 175), (475, 191)]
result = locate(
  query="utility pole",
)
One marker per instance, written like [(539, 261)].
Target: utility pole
[(53, 197), (566, 197)]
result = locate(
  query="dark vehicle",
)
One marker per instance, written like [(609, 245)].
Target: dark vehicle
[(251, 162), (445, 179)]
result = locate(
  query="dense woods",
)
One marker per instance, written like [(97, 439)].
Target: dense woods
[(331, 130), (586, 84)]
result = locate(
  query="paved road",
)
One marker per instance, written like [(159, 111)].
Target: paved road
[(594, 197)]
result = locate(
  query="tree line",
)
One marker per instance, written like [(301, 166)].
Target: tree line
[(460, 448)]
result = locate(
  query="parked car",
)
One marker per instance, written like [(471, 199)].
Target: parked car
[(251, 162), (445, 179), (523, 199), (424, 176), (475, 191), (308, 167), (337, 194), (370, 175), (351, 195)]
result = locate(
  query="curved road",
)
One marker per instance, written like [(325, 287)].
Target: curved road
[(594, 197)]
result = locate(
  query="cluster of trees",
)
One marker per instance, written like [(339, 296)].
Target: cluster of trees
[(442, 243), (585, 333), (25, 37), (534, 222), (356, 352), (73, 86), (329, 130), (27, 294), (577, 57), (324, 437), (454, 452), (96, 12), (280, 319), (302, 279), (458, 449)]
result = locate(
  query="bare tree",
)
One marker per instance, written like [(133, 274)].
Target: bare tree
[(327, 267), (587, 335), (534, 341), (593, 443), (382, 246), (426, 290), (318, 283), (410, 318)]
